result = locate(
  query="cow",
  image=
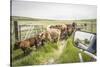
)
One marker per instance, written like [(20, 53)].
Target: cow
[(71, 28), (25, 45), (52, 35), (62, 28)]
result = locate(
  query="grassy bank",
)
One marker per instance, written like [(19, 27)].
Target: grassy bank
[(70, 54)]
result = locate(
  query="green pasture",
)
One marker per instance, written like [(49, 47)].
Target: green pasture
[(44, 53)]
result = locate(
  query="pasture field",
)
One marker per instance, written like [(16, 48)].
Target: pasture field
[(51, 53)]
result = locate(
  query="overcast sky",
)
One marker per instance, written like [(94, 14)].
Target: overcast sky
[(53, 10)]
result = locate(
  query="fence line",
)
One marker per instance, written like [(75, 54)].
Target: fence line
[(23, 31), (26, 36), (89, 27), (29, 30)]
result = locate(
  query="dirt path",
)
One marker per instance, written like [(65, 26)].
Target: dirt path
[(57, 53)]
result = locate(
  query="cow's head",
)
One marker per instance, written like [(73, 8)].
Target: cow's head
[(39, 40), (16, 45), (42, 35)]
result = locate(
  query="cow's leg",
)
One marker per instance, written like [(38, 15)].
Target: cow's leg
[(43, 42), (24, 50), (49, 38), (28, 50), (36, 46)]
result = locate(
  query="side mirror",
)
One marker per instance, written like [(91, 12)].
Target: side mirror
[(85, 41)]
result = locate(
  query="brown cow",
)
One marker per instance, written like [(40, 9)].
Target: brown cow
[(71, 28), (26, 44)]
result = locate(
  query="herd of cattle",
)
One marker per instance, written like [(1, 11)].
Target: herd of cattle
[(53, 33)]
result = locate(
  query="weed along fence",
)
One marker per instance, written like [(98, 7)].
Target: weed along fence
[(24, 31)]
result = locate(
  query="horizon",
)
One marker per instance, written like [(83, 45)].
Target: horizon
[(54, 19)]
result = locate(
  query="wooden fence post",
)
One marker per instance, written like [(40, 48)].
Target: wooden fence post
[(20, 32), (16, 30)]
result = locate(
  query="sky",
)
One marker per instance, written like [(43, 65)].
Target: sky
[(47, 10)]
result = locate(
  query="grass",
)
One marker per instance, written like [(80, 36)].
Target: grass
[(70, 54), (35, 57), (41, 56)]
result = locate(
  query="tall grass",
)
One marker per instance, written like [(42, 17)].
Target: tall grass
[(39, 56), (44, 53), (70, 54)]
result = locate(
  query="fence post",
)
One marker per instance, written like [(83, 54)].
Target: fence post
[(20, 32), (16, 30)]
